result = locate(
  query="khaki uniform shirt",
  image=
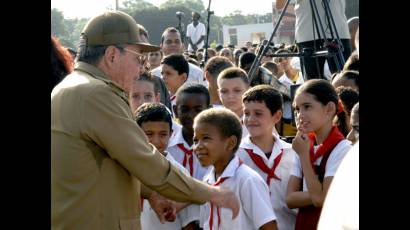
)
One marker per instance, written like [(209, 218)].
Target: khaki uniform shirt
[(100, 157)]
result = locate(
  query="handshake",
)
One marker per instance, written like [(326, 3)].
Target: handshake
[(166, 209)]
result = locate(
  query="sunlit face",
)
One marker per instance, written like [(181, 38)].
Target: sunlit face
[(172, 44), (154, 58), (158, 133), (189, 105), (209, 145), (231, 91), (353, 135), (172, 79), (142, 92), (258, 119), (310, 113), (127, 66)]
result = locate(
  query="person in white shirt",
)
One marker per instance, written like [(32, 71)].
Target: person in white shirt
[(171, 44), (156, 122), (307, 35), (291, 76), (341, 207), (265, 152), (195, 33), (217, 135), (174, 71), (320, 148), (191, 99)]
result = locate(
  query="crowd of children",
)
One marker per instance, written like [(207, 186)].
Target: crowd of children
[(277, 154)]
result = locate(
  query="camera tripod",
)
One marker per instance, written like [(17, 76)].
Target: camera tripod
[(331, 48)]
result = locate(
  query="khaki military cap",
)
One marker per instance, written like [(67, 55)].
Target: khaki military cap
[(114, 28)]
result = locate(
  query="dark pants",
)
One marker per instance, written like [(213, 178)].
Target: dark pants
[(314, 65)]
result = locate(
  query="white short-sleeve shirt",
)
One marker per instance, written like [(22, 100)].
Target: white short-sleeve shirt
[(252, 192), (178, 155), (304, 27), (287, 105), (332, 163), (149, 219), (286, 217), (195, 34), (343, 196)]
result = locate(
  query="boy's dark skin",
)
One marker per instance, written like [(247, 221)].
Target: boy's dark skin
[(188, 105)]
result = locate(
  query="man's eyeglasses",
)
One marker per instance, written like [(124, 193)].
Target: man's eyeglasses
[(141, 57)]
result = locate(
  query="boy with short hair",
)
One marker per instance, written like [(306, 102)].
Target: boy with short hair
[(265, 152), (156, 122), (213, 68), (217, 135), (191, 99), (174, 72)]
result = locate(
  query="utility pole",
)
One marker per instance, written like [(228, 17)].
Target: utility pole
[(116, 5)]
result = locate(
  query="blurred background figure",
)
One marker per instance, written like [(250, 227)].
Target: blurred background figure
[(195, 33), (61, 62)]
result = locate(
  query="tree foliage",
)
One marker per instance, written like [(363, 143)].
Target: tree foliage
[(194, 5), (130, 6)]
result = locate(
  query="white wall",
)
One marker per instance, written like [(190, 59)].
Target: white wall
[(244, 32)]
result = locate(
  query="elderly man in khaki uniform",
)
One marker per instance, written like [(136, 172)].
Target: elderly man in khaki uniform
[(99, 155)]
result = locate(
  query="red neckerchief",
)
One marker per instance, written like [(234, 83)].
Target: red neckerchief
[(262, 166), (334, 137), (187, 153), (218, 210), (172, 97)]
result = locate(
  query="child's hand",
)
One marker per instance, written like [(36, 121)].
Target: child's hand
[(301, 143), (164, 208)]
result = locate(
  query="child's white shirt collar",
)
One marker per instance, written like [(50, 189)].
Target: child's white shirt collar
[(277, 148), (178, 139), (229, 171)]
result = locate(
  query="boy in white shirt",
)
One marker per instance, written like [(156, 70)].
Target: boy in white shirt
[(217, 135), (156, 122), (191, 99), (265, 152)]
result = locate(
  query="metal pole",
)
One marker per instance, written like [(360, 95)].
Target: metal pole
[(256, 62)]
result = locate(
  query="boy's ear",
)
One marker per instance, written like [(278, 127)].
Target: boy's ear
[(184, 76), (277, 116), (231, 142)]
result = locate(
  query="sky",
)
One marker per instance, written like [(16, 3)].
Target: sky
[(89, 8)]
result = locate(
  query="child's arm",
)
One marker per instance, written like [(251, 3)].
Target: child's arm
[(316, 190), (271, 225), (294, 197)]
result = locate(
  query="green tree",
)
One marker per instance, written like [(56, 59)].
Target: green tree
[(194, 5), (58, 27), (130, 6)]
